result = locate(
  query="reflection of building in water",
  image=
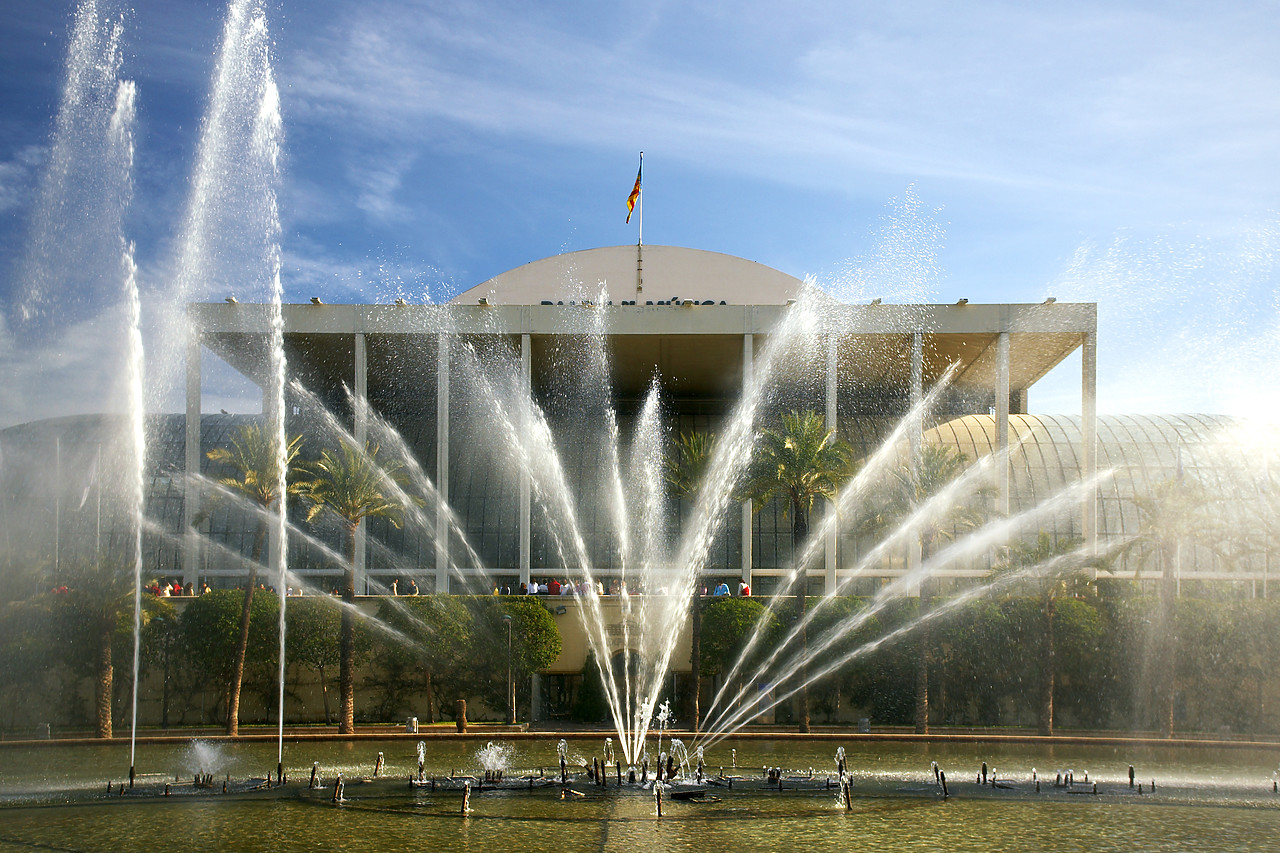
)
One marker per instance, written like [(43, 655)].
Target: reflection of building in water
[(700, 323)]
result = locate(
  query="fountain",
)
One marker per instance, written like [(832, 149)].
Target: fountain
[(659, 561)]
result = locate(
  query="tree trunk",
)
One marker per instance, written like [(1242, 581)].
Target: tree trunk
[(695, 655), (242, 642), (800, 532), (922, 681), (1166, 656), (924, 648), (104, 685), (347, 644), (431, 699), (1048, 676)]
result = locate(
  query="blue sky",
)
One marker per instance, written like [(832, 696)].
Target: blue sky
[(1121, 152)]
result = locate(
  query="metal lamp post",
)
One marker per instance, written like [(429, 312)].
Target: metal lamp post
[(511, 685)]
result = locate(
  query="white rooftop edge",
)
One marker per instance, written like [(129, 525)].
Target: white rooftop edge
[(667, 272)]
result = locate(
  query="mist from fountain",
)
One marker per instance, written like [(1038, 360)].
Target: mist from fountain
[(384, 435), (728, 462), (993, 534), (122, 136), (78, 250), (244, 94), (846, 504), (230, 239)]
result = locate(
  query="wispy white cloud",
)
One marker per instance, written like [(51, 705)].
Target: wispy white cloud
[(1089, 98), (18, 177), (1184, 316), (378, 185), (71, 370)]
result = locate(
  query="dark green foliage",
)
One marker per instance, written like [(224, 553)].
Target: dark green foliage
[(426, 650), (882, 681), (1085, 685), (210, 629), (834, 623), (210, 624), (590, 705), (1227, 655), (972, 653), (727, 623), (536, 639), (25, 658), (312, 627), (311, 632), (535, 645), (90, 624)]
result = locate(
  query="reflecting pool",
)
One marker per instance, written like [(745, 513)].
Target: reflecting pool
[(1222, 799)]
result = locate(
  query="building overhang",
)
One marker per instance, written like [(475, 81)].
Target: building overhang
[(697, 347)]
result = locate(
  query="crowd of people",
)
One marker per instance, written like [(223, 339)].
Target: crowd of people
[(549, 586), (554, 586), (175, 589)]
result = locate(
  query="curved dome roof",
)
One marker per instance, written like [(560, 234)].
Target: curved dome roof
[(668, 272)]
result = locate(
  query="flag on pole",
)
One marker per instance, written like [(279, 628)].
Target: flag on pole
[(635, 191)]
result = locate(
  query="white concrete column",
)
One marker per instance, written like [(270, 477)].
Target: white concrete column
[(832, 543), (916, 435), (191, 488), (360, 432), (526, 488), (1089, 437), (1002, 421), (442, 461), (748, 371), (917, 384)]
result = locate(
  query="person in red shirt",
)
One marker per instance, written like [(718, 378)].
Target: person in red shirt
[(743, 589)]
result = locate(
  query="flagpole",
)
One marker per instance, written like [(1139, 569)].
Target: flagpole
[(640, 204), (640, 226)]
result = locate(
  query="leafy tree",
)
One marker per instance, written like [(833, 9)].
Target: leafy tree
[(727, 624), (934, 467), (536, 644), (354, 484), (973, 667), (1085, 684), (884, 680), (1049, 569), (686, 466), (684, 471), (24, 655), (162, 647), (311, 639), (590, 704), (254, 456), (834, 619), (798, 464), (428, 648), (210, 630)]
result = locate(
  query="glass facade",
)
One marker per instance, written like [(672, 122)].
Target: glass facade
[(64, 490)]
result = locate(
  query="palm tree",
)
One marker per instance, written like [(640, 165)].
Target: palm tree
[(254, 457), (1058, 580), (913, 485), (685, 468), (684, 471), (90, 615), (798, 464), (355, 485)]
